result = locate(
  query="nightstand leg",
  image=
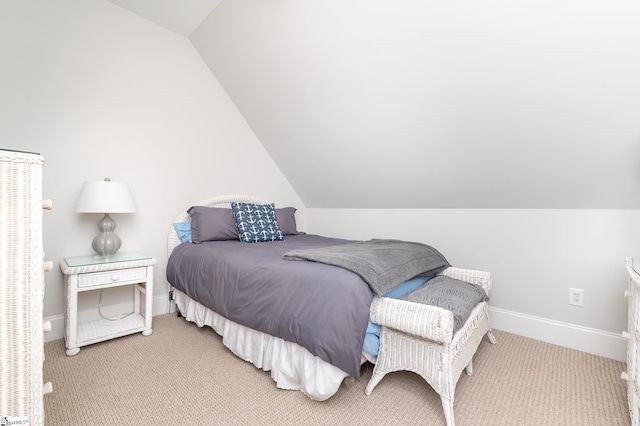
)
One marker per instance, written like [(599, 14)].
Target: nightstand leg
[(148, 300), (72, 352), (71, 319)]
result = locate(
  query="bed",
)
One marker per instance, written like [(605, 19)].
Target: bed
[(314, 359)]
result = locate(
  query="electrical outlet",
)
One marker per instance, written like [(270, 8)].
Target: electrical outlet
[(576, 296)]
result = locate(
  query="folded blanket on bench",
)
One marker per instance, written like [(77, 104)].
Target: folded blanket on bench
[(459, 297)]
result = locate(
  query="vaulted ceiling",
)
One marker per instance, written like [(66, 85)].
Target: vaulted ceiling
[(182, 17), (407, 104)]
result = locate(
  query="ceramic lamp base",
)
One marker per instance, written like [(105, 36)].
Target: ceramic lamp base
[(106, 243)]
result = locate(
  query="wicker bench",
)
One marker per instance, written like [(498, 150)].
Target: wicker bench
[(420, 338)]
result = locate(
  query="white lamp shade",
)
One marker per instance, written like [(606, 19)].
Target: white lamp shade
[(105, 197)]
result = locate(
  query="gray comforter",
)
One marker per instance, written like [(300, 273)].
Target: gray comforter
[(320, 307), (383, 264)]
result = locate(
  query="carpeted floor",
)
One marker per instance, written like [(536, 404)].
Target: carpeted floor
[(183, 375)]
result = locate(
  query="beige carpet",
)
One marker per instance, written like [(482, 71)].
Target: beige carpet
[(183, 375)]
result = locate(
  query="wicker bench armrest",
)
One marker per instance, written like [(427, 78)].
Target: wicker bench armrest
[(480, 278), (425, 321)]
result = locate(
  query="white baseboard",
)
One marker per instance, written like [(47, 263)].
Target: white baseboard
[(590, 340), (160, 306)]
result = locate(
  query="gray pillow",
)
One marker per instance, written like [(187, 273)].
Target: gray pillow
[(286, 218), (212, 224), (219, 224)]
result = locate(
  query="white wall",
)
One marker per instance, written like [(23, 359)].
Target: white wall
[(101, 92), (534, 256)]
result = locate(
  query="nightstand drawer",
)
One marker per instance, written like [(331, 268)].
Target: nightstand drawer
[(108, 277)]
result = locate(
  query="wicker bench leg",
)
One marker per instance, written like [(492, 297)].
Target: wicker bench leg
[(373, 382), (447, 406), (469, 368)]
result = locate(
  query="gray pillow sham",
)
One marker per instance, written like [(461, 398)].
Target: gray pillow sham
[(212, 224), (219, 224)]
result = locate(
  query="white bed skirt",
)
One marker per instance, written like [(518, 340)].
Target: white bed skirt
[(292, 366)]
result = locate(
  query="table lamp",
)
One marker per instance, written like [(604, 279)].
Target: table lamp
[(105, 197)]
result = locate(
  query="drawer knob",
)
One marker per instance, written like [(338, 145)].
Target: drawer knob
[(115, 277)]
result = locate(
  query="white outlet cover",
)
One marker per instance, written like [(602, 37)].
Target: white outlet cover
[(576, 296)]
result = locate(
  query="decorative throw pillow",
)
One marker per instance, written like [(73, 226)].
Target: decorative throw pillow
[(287, 220), (212, 224), (256, 223)]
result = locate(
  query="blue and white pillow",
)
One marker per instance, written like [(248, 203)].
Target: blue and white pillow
[(256, 223)]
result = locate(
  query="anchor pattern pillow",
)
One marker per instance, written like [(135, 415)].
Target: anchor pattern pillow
[(256, 223)]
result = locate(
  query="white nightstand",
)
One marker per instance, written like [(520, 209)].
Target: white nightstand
[(92, 273)]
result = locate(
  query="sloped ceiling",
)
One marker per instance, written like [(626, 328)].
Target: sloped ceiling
[(179, 16), (427, 104)]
